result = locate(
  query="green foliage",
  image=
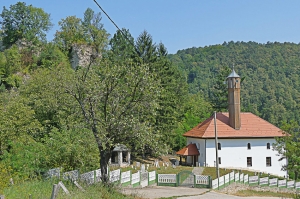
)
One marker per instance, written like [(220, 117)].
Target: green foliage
[(88, 31), (116, 101), (42, 189), (271, 86), (23, 22), (52, 57), (219, 92), (288, 147), (196, 110), (71, 149), (18, 123)]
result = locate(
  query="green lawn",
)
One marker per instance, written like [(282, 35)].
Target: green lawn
[(211, 171)]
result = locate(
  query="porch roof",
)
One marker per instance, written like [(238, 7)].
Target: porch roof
[(189, 150)]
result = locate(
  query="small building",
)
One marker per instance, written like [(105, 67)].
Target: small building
[(244, 139), (120, 156)]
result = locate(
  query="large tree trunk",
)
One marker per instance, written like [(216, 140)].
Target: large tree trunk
[(104, 158)]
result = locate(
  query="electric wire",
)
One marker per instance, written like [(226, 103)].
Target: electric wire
[(118, 28)]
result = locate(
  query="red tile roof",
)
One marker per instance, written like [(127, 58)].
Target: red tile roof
[(189, 150), (251, 126)]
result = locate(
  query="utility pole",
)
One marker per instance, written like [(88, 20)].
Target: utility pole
[(216, 144)]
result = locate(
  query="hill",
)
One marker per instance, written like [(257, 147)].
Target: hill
[(271, 88)]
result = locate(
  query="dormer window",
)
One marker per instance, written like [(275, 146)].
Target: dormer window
[(248, 146), (268, 145)]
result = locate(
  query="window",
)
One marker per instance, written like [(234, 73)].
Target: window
[(219, 146), (219, 160), (249, 161), (249, 146), (268, 161), (268, 145)]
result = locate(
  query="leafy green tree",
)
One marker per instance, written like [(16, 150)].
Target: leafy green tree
[(172, 83), (117, 102), (18, 121), (71, 32), (288, 148), (52, 57), (196, 109), (11, 67), (23, 22), (87, 31)]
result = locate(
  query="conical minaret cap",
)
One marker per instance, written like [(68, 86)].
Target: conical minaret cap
[(233, 74)]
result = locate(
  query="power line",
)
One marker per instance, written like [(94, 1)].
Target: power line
[(118, 28)]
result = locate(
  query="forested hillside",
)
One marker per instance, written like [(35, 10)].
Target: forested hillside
[(68, 102), (271, 72)]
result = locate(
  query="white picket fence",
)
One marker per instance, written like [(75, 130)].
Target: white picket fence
[(152, 176), (125, 177), (252, 180), (135, 178), (115, 176), (167, 178)]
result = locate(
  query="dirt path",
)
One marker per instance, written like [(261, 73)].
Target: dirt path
[(154, 192), (198, 170)]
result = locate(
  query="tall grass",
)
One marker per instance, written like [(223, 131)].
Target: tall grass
[(43, 189)]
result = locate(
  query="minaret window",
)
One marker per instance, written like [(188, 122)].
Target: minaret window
[(248, 146)]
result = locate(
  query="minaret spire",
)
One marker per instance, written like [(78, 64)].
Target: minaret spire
[(234, 108)]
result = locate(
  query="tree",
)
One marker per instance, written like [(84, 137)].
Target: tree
[(18, 121), (88, 31), (172, 83), (196, 109), (288, 148), (117, 102), (219, 97), (11, 67), (122, 46), (23, 22)]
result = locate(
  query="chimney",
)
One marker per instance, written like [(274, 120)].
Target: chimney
[(234, 108)]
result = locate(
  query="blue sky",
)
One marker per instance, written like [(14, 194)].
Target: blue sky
[(180, 24)]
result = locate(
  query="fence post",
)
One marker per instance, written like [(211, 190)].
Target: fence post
[(53, 195), (130, 177), (258, 179), (2, 197), (218, 184), (248, 179), (194, 180)]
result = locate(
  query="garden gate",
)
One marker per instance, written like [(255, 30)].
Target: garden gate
[(186, 179)]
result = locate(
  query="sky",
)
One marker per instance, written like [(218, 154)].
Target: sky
[(182, 24)]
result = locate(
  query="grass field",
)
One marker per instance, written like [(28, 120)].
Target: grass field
[(211, 171), (43, 189)]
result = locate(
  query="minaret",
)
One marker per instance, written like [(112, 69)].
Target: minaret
[(234, 108)]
